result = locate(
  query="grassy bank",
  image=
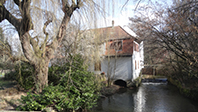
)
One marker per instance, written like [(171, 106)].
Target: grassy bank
[(189, 92)]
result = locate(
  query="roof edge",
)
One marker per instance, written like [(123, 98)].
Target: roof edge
[(129, 31)]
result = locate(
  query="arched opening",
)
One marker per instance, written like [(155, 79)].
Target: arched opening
[(120, 82)]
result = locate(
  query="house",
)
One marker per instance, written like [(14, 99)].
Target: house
[(122, 53), (115, 51)]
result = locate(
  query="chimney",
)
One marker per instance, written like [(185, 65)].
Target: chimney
[(112, 23)]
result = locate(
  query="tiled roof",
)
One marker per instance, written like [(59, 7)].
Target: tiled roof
[(112, 33)]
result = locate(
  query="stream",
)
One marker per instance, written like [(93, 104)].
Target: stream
[(149, 97)]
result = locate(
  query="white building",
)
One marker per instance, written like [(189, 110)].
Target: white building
[(121, 55)]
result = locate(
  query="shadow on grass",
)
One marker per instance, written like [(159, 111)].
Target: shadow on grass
[(6, 84)]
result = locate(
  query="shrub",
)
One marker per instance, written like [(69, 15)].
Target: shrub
[(49, 96), (10, 76), (23, 74), (54, 75), (77, 89), (82, 89)]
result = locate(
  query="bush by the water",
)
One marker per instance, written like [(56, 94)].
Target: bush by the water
[(77, 89)]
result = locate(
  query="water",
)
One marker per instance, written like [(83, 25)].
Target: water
[(149, 97)]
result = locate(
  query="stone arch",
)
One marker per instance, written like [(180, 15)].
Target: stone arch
[(120, 82)]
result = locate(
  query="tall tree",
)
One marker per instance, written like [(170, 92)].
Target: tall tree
[(39, 50), (172, 34)]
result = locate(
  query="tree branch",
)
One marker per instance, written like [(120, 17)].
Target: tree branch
[(5, 14), (40, 51), (68, 10), (65, 5), (27, 49), (20, 5), (26, 22), (22, 58), (2, 2), (17, 2), (45, 25), (74, 5), (35, 46)]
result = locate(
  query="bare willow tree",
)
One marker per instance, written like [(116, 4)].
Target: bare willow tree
[(28, 15), (42, 24)]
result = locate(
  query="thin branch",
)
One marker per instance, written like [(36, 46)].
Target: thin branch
[(43, 46), (78, 2), (125, 4), (34, 44), (2, 2), (27, 49), (5, 14), (17, 2), (137, 5), (45, 25)]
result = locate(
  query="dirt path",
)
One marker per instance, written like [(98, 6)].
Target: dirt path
[(9, 95)]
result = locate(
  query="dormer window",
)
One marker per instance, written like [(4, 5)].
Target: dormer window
[(116, 45)]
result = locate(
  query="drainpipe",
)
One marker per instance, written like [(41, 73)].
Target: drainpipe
[(132, 63), (131, 67)]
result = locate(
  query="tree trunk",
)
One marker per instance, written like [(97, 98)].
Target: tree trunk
[(36, 53), (41, 78)]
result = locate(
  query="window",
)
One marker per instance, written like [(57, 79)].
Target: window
[(117, 45)]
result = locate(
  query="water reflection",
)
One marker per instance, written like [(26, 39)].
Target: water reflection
[(121, 102), (150, 97), (139, 100)]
